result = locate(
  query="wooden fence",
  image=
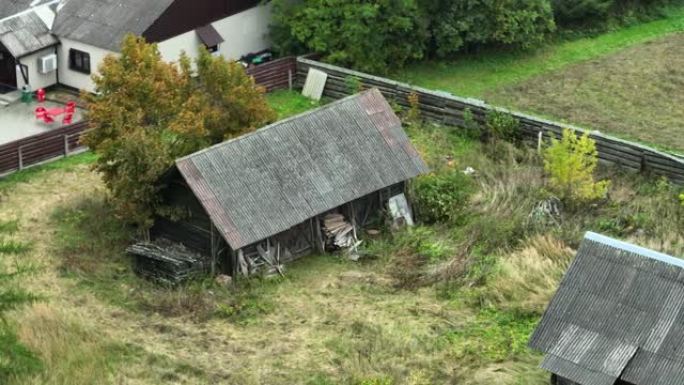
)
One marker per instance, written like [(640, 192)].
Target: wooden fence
[(449, 109), (40, 148), (15, 156), (277, 74)]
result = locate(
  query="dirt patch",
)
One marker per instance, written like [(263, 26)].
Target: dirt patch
[(637, 93)]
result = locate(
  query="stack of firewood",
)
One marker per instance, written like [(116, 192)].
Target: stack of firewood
[(167, 263)]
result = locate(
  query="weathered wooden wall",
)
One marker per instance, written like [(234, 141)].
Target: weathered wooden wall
[(449, 109)]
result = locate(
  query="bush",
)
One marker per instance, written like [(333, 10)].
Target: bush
[(463, 24), (441, 197), (570, 164), (371, 36), (503, 126), (593, 14)]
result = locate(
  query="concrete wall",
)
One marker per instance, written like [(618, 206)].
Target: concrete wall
[(77, 79), (36, 79), (245, 32)]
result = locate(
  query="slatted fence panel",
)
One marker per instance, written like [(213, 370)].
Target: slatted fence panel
[(446, 108), (42, 147), (274, 75)]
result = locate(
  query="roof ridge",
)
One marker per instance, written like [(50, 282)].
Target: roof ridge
[(632, 248), (278, 123)]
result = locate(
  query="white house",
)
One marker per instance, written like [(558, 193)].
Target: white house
[(49, 42)]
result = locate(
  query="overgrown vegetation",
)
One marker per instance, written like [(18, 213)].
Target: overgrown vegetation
[(379, 36), (147, 113), (570, 163), (451, 300), (15, 358)]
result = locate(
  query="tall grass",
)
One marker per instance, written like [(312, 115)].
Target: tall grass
[(15, 358)]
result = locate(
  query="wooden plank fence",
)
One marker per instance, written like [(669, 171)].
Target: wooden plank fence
[(277, 74), (64, 141), (41, 148), (448, 109)]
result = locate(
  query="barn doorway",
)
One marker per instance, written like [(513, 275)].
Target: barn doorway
[(8, 71)]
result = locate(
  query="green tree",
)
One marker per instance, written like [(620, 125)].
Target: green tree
[(146, 113), (368, 35), (474, 23), (570, 163)]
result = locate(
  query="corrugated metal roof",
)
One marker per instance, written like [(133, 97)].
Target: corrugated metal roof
[(618, 313), (265, 182), (104, 23), (25, 33)]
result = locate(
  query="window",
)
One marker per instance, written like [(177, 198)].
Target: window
[(212, 49), (79, 61)]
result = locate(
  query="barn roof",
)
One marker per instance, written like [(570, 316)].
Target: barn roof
[(25, 33), (104, 23), (619, 313), (263, 183)]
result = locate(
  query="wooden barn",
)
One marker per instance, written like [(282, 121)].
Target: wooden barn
[(291, 188), (617, 318)]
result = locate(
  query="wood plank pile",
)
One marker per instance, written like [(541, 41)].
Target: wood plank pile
[(168, 263), (340, 234)]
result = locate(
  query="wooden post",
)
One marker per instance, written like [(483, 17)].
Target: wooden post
[(21, 157), (66, 145), (289, 79), (320, 244), (213, 248)]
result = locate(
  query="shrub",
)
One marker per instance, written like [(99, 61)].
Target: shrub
[(441, 197), (593, 14), (503, 126), (371, 36), (570, 164), (517, 23), (413, 114)]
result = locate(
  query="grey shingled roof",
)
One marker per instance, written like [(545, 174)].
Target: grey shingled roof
[(619, 313), (265, 182), (104, 23), (12, 7), (25, 33)]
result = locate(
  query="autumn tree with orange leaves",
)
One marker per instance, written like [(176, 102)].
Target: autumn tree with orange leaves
[(146, 113)]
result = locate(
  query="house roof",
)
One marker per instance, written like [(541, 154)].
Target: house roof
[(12, 7), (619, 313), (25, 33), (263, 183), (104, 23)]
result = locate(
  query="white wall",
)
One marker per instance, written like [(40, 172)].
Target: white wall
[(77, 79), (245, 32), (36, 79)]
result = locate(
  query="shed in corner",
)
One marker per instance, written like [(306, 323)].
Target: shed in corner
[(617, 318), (281, 192)]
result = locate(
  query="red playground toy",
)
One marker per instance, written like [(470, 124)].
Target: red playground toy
[(48, 115), (40, 95)]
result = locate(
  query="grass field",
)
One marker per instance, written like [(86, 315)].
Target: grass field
[(475, 75), (628, 83), (637, 93), (440, 303)]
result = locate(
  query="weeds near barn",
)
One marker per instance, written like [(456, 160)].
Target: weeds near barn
[(449, 301)]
